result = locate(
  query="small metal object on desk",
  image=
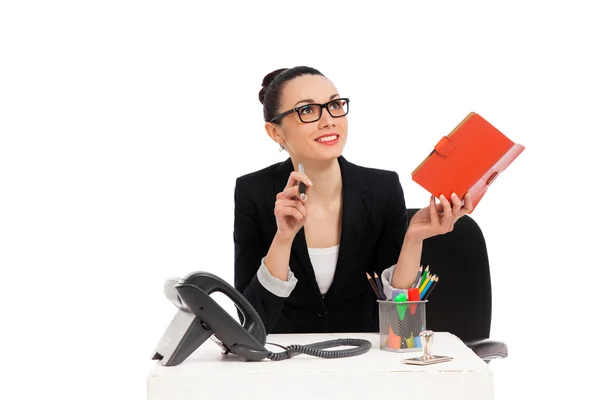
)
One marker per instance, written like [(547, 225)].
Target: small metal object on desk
[(427, 358)]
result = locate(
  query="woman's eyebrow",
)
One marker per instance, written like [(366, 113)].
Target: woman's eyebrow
[(312, 101)]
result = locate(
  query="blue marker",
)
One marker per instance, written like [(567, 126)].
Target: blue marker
[(417, 341)]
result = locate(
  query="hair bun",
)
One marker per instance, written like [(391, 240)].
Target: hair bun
[(267, 81), (261, 95), (270, 76)]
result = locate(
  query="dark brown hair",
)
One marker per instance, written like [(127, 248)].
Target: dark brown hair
[(272, 87)]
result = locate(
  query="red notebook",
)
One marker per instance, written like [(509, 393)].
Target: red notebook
[(470, 158)]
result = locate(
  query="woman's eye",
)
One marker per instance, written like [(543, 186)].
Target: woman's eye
[(306, 110), (335, 105)]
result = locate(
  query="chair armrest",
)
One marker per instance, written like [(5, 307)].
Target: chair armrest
[(488, 349)]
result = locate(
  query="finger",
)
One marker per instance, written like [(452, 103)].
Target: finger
[(447, 217), (289, 211), (297, 204), (433, 212), (296, 177), (439, 207), (456, 205), (292, 193), (468, 202)]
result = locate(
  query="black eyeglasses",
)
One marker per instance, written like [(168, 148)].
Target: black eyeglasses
[(312, 112)]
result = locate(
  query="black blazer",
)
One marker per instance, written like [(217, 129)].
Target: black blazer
[(374, 221)]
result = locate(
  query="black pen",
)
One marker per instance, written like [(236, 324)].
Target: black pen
[(302, 184)]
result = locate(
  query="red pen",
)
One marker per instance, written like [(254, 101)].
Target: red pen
[(413, 295)]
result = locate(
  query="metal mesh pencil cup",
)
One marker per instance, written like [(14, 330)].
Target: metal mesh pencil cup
[(400, 325)]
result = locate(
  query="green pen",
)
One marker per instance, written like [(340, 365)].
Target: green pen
[(401, 298)]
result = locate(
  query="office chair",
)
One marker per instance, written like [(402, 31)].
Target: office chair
[(462, 300)]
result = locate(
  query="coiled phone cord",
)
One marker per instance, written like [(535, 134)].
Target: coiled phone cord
[(317, 349)]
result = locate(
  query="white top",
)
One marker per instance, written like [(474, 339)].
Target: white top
[(377, 374), (324, 261)]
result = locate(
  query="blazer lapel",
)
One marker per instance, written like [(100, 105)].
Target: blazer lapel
[(299, 246), (356, 203), (300, 251)]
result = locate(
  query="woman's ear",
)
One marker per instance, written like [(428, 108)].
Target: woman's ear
[(274, 132)]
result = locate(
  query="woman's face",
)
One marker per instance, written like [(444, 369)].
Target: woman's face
[(320, 140)]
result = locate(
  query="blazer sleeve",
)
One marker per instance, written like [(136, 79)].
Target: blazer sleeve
[(249, 251), (395, 226)]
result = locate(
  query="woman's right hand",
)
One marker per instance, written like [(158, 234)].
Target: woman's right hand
[(290, 210)]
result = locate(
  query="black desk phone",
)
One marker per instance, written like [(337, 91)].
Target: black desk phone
[(199, 318)]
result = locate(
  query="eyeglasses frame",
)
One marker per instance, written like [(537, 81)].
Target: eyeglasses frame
[(321, 106)]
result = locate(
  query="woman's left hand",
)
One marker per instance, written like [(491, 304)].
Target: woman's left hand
[(439, 218)]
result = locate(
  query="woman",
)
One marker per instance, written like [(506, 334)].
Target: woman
[(301, 261)]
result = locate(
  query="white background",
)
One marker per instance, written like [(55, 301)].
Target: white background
[(124, 125)]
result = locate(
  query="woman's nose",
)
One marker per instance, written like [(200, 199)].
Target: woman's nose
[(326, 119)]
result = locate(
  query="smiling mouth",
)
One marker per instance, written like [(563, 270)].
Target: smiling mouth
[(327, 139)]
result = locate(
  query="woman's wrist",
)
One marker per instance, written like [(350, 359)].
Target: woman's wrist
[(408, 261), (283, 240), (278, 257), (413, 238)]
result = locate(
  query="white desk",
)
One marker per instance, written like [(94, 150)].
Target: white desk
[(378, 374)]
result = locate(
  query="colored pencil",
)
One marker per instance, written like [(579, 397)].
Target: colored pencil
[(435, 281), (418, 278), (372, 283), (379, 285), (425, 282), (428, 286), (424, 276)]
